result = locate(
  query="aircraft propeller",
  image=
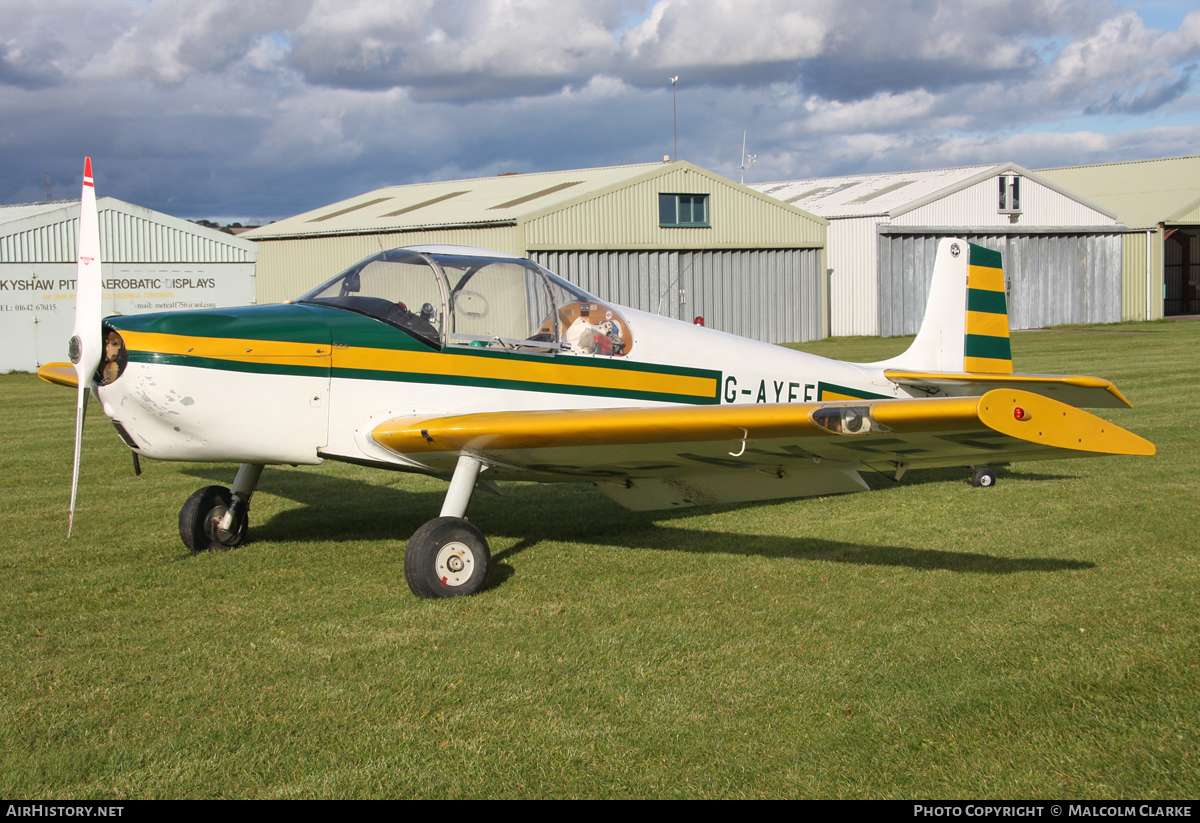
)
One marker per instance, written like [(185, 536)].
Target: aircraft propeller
[(86, 346)]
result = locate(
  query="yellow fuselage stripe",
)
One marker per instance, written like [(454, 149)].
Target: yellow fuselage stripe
[(525, 371), (428, 363), (226, 348)]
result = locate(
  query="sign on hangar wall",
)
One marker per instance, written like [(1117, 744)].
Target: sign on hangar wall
[(155, 262), (37, 300)]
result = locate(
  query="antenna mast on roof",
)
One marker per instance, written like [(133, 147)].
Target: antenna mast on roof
[(48, 185), (675, 114), (747, 160)]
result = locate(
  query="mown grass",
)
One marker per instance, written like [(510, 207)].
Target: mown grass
[(927, 639)]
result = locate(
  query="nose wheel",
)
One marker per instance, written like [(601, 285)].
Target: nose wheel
[(202, 525), (216, 518), (447, 557)]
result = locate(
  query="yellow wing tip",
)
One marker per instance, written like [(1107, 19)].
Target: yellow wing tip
[(1047, 422), (59, 374)]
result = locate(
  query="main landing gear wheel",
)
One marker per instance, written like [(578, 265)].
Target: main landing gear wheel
[(200, 521), (447, 557), (983, 478)]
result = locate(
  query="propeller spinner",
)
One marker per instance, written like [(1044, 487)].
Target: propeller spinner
[(86, 345)]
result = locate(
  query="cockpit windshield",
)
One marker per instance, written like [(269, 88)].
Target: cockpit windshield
[(467, 300), (397, 287)]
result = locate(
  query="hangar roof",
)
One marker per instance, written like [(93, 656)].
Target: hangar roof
[(1143, 193), (477, 201), (46, 233), (19, 211), (890, 194)]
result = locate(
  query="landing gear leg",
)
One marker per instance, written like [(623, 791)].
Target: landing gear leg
[(449, 557), (216, 518)]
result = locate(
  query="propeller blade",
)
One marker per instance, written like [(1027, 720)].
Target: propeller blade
[(86, 345)]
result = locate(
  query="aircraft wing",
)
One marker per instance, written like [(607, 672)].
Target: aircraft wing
[(660, 457), (1072, 389)]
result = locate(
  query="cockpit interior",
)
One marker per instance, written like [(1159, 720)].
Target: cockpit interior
[(444, 299)]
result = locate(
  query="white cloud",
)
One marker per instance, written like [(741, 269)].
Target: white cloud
[(364, 93)]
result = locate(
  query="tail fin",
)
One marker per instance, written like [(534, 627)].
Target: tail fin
[(965, 328)]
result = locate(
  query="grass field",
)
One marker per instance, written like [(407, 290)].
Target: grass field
[(926, 639)]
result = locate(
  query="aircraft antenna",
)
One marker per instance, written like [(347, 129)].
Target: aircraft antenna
[(747, 160)]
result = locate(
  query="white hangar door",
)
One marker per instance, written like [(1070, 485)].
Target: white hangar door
[(1051, 279)]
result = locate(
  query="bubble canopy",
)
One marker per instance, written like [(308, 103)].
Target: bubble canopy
[(446, 299)]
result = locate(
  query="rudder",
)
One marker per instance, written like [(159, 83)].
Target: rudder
[(986, 347)]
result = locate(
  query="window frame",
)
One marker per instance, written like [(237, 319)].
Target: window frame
[(678, 224)]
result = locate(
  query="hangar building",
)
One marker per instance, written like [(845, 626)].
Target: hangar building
[(150, 262), (1160, 201), (667, 238), (1062, 252)]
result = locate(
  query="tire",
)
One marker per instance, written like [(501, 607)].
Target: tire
[(984, 478), (199, 517), (447, 557)]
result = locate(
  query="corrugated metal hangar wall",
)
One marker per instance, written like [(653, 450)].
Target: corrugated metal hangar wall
[(1051, 279), (767, 294)]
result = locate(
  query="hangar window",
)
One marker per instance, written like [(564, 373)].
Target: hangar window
[(1010, 195), (683, 211)]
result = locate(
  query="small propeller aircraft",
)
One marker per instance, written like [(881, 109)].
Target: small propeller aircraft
[(477, 366)]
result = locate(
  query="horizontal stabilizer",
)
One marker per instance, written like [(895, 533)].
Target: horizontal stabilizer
[(1072, 389), (60, 374)]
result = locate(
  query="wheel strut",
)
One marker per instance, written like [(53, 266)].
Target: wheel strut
[(243, 489), (462, 484)]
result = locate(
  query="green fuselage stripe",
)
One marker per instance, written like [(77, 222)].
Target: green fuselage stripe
[(519, 385), (324, 370), (833, 388), (321, 370)]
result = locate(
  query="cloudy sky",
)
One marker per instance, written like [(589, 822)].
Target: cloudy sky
[(259, 109)]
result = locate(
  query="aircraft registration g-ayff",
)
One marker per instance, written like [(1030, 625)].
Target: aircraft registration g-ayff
[(477, 366)]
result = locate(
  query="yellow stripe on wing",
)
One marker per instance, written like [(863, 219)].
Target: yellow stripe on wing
[(1043, 422), (671, 424)]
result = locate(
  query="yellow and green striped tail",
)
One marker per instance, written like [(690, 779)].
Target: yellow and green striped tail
[(986, 347)]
